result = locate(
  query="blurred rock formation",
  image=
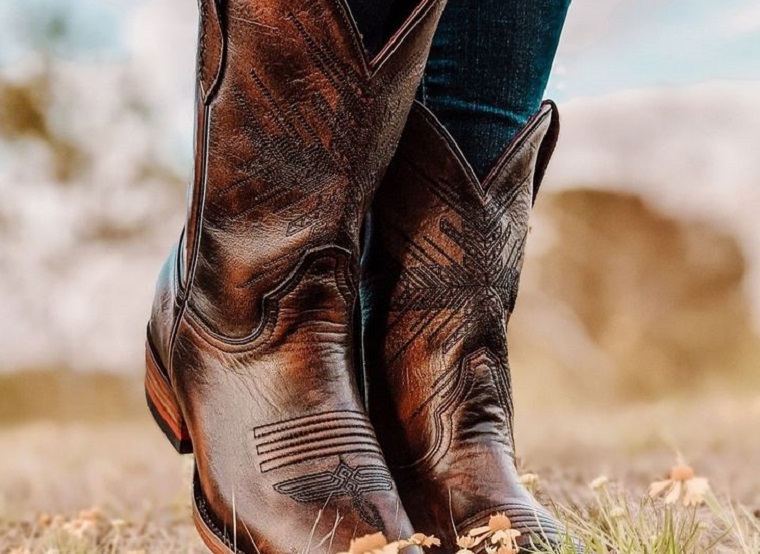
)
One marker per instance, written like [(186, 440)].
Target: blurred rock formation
[(643, 269)]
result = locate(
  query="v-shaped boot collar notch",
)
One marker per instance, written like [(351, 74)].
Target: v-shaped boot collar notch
[(211, 9), (542, 125), (372, 65)]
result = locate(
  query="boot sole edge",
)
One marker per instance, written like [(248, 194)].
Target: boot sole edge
[(162, 403)]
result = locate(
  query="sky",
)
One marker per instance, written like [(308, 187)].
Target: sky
[(614, 45), (607, 46)]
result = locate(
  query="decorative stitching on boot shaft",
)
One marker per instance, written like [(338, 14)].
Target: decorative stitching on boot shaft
[(342, 481), (312, 437)]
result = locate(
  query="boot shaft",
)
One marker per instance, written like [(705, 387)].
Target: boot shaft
[(295, 128), (250, 348), (440, 281)]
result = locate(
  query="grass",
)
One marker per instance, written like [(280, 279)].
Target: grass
[(615, 522), (58, 471), (621, 523)]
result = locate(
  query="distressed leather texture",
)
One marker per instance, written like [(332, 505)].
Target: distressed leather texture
[(254, 310), (440, 279)]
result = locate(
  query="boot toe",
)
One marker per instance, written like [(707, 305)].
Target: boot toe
[(236, 526), (540, 531)]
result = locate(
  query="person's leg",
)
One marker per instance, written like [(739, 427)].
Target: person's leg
[(371, 17), (440, 279), (488, 68), (377, 20), (441, 269), (250, 345)]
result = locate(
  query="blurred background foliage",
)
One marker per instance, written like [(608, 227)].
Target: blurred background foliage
[(643, 272)]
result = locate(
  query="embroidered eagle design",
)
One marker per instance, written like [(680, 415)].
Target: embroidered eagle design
[(343, 481)]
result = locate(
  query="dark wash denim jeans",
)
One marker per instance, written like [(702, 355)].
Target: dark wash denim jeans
[(488, 66)]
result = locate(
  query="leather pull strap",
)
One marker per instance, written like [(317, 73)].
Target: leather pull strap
[(546, 149), (210, 47)]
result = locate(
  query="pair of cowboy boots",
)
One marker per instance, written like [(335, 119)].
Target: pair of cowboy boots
[(253, 348)]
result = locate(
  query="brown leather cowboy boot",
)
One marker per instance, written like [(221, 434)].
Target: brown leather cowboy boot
[(440, 278), (250, 344)]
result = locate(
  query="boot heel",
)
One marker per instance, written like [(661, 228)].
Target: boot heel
[(163, 403)]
